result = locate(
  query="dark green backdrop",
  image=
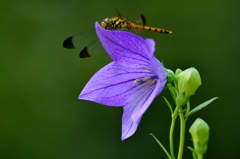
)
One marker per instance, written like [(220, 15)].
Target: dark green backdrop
[(41, 116)]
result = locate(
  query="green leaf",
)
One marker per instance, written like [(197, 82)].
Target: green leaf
[(168, 104), (161, 145), (203, 105)]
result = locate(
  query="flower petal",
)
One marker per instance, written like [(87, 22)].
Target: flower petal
[(158, 88), (151, 46), (136, 107), (126, 46), (113, 84), (159, 70)]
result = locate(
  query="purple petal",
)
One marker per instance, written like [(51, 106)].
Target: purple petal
[(137, 106), (151, 46), (159, 70), (125, 46), (113, 84)]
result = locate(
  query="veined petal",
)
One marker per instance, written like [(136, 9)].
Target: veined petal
[(113, 84), (125, 46), (158, 69), (151, 46), (137, 106)]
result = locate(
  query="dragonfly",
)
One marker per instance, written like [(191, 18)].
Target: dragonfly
[(90, 43)]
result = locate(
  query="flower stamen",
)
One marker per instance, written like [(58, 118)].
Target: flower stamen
[(147, 81), (146, 68)]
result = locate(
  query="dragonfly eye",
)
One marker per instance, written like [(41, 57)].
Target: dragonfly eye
[(107, 23), (103, 24)]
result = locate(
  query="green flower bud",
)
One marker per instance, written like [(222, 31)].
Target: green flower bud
[(178, 71), (170, 76), (200, 135), (188, 81)]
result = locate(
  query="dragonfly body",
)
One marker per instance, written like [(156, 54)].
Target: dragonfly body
[(89, 42), (122, 23)]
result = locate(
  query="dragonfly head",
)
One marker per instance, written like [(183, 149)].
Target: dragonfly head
[(107, 23)]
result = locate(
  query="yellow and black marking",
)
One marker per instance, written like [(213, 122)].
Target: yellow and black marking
[(159, 30), (114, 23)]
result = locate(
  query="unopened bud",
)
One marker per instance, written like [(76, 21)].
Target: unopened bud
[(200, 135), (170, 76), (188, 81)]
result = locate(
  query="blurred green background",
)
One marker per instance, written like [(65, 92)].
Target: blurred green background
[(41, 116)]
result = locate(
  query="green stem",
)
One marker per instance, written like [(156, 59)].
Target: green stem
[(182, 134), (174, 116), (171, 138), (188, 109), (200, 157)]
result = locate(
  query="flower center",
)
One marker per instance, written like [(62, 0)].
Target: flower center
[(147, 80)]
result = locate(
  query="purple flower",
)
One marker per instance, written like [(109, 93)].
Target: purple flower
[(132, 80)]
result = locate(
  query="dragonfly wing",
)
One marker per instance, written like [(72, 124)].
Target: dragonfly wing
[(140, 20), (80, 40), (87, 41), (92, 49)]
